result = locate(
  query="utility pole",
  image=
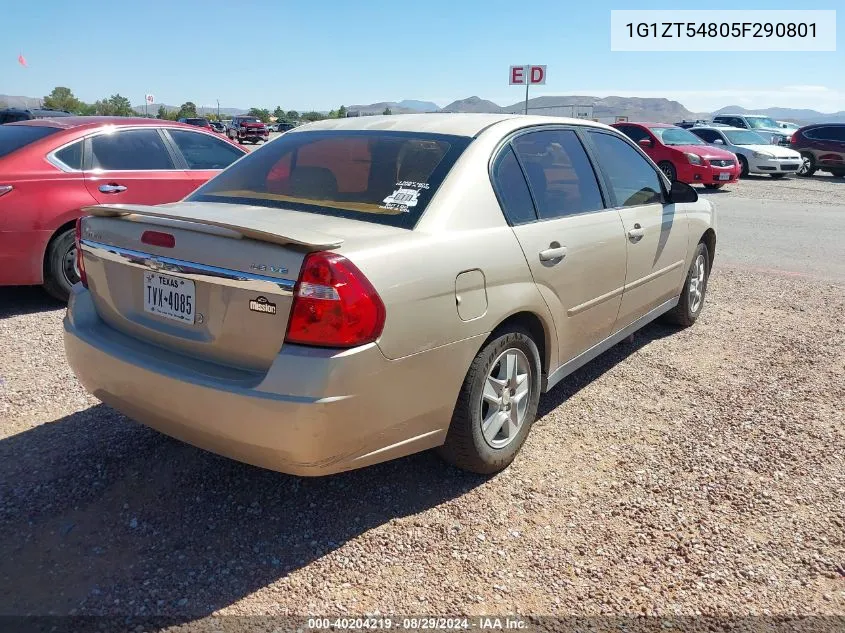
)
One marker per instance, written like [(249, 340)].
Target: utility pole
[(218, 109)]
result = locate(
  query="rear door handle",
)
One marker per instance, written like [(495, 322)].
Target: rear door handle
[(636, 233), (112, 188), (555, 252)]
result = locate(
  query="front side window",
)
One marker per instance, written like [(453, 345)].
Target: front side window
[(631, 177), (203, 151), (376, 176), (512, 189), (130, 150), (560, 175)]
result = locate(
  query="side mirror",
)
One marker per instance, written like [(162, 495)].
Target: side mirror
[(718, 141), (647, 143), (682, 192)]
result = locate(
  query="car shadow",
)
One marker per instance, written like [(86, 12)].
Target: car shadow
[(102, 516), (19, 300)]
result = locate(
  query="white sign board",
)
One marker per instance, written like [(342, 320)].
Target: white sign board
[(150, 99), (532, 75)]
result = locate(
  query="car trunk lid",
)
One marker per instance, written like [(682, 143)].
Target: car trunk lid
[(229, 269)]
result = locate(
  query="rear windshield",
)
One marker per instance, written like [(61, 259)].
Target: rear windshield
[(200, 122), (376, 176), (13, 137), (250, 120)]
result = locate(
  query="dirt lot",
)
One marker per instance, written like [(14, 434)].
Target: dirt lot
[(685, 472)]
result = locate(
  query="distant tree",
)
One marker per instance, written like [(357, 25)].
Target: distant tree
[(387, 110), (116, 105), (292, 115), (188, 109), (3, 105), (260, 113), (333, 114), (279, 113), (62, 99), (162, 112), (87, 109), (341, 112), (312, 116)]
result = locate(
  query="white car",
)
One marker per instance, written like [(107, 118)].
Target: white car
[(789, 126), (755, 155)]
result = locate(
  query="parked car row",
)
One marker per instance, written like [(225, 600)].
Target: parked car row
[(715, 154)]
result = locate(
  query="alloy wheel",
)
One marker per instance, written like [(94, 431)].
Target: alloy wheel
[(696, 284), (504, 399)]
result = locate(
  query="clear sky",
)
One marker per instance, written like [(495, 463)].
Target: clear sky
[(319, 55)]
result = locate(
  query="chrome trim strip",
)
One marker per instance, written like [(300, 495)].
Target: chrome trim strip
[(189, 270), (594, 302), (585, 357)]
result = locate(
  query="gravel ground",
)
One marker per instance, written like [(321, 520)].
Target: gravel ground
[(822, 188), (683, 473)]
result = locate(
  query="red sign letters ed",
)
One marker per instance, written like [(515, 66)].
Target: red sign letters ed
[(534, 75)]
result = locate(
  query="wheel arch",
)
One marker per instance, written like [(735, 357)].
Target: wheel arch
[(540, 332), (708, 238), (69, 225)]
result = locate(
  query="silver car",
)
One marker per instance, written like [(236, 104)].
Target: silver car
[(755, 155), (365, 288)]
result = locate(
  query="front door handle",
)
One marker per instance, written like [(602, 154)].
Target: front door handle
[(555, 251), (636, 233), (112, 188)]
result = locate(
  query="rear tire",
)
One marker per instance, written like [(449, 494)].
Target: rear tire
[(777, 176), (60, 265), (808, 165), (713, 186), (497, 404), (694, 291), (668, 170), (838, 173)]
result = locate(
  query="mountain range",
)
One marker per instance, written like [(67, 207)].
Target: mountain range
[(604, 108)]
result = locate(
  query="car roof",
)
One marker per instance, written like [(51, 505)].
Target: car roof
[(457, 124), (69, 122), (720, 128), (645, 124)]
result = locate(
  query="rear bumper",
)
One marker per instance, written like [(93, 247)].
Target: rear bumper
[(315, 412), (22, 257)]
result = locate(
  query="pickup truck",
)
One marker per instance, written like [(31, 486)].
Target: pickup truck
[(248, 129)]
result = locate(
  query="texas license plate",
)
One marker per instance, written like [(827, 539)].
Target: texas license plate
[(169, 297), (725, 176)]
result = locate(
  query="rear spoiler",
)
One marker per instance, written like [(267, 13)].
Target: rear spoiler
[(263, 225)]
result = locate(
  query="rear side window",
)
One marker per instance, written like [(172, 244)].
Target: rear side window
[(14, 137), (631, 177), (633, 132), (130, 150), (831, 133), (559, 173), (512, 189), (71, 155), (373, 175), (202, 151)]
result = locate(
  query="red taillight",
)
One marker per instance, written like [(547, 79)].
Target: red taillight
[(157, 238), (80, 261), (334, 305)]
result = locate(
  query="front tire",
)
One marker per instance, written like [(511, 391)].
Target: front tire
[(60, 272), (695, 288), (743, 166), (668, 170), (808, 165), (777, 176), (497, 404), (838, 173), (713, 186)]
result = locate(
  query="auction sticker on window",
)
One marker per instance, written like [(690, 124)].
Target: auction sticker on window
[(403, 199)]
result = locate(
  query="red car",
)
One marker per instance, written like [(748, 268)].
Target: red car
[(681, 155), (51, 168)]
